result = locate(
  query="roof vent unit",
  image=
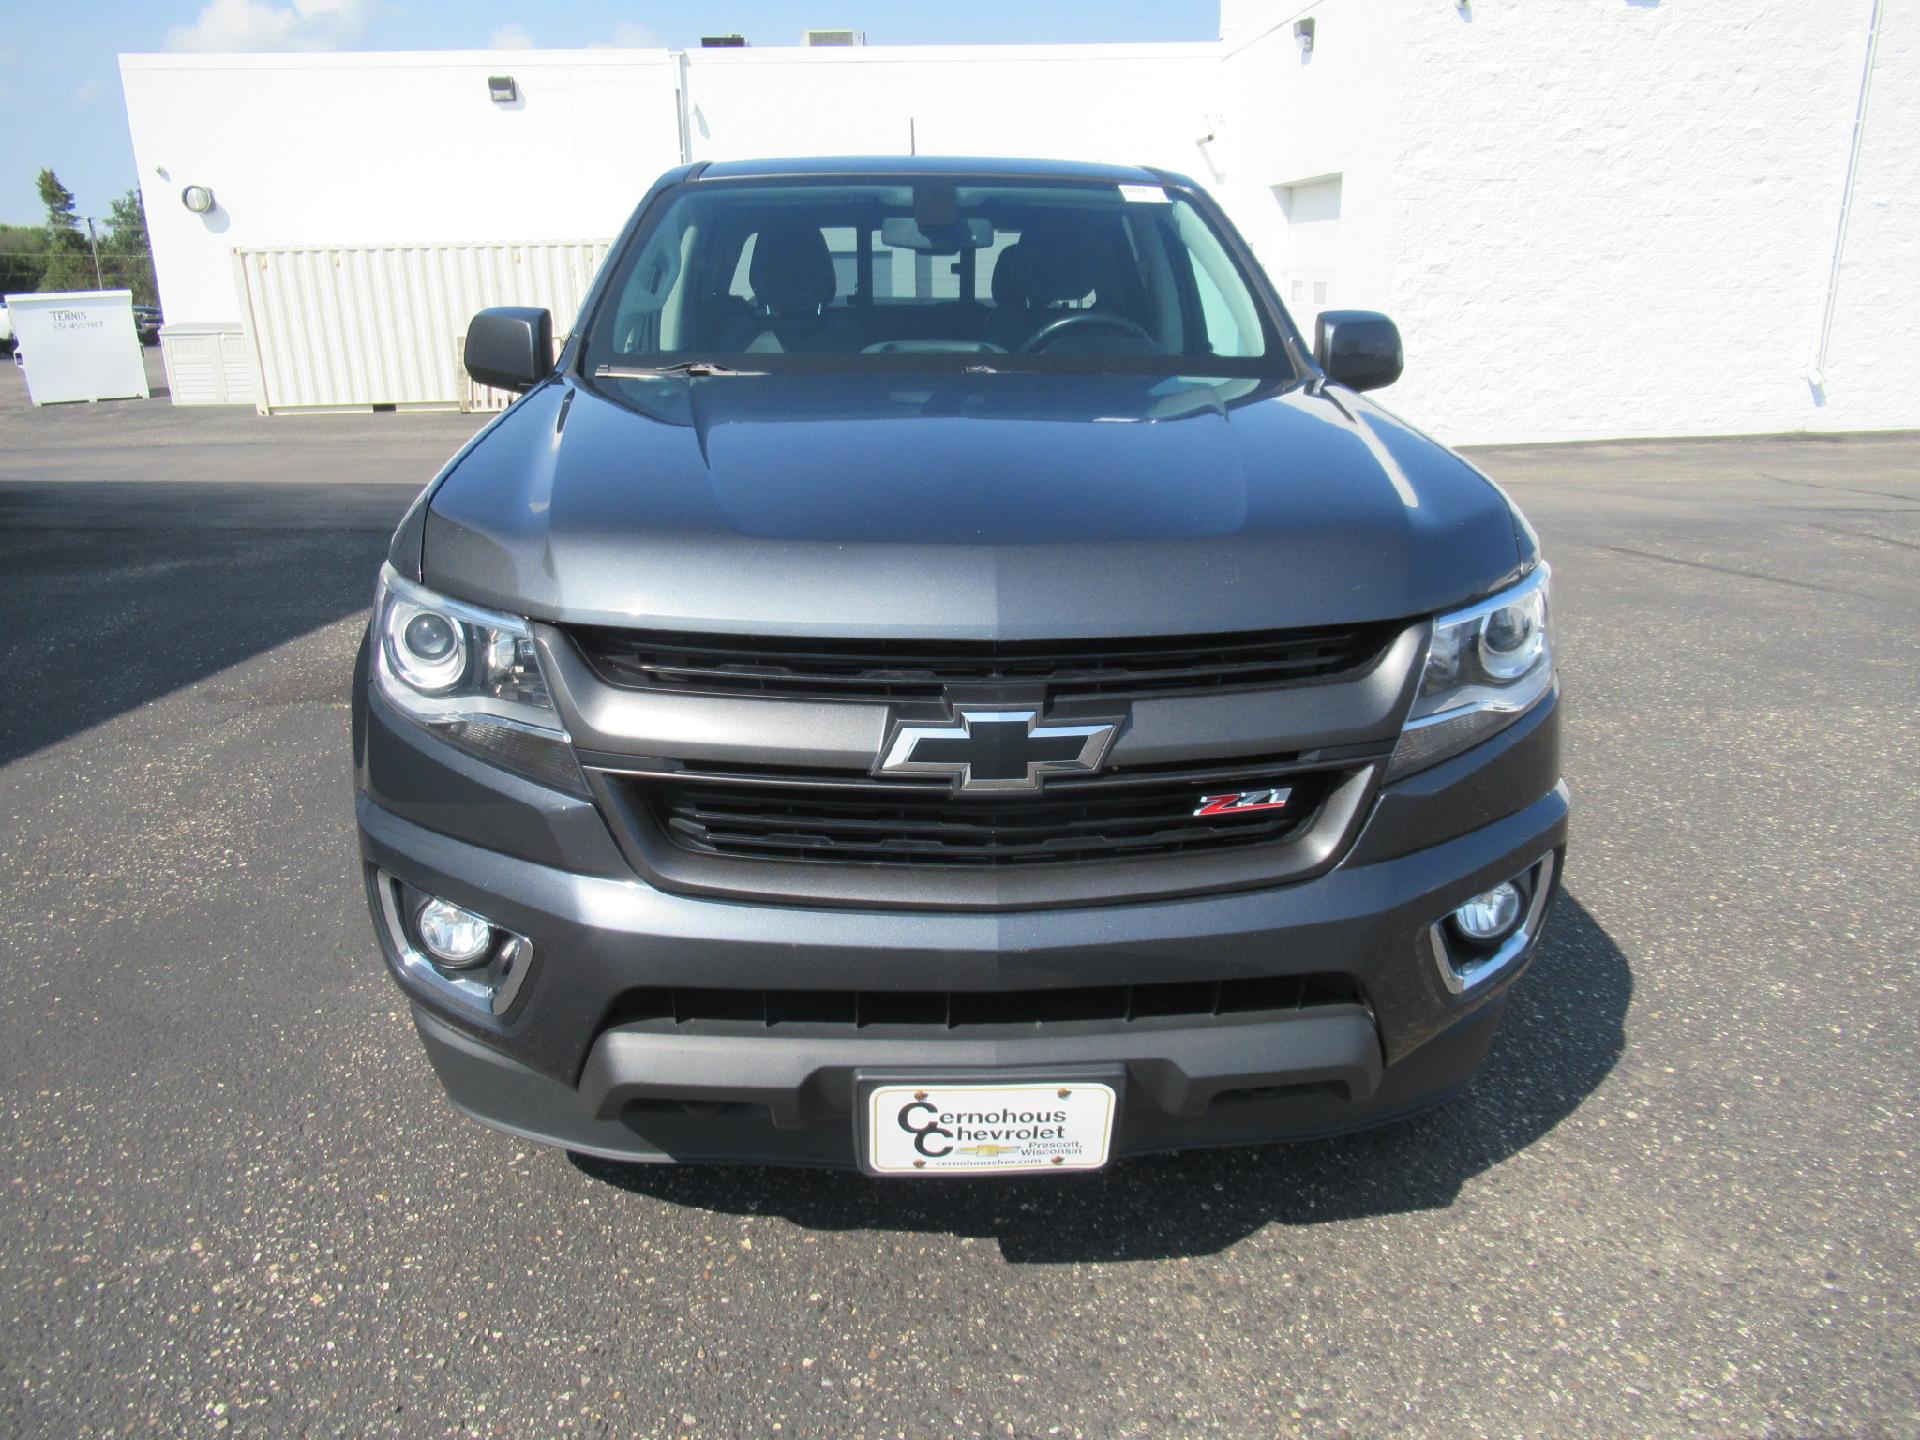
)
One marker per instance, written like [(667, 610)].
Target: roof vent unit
[(836, 37), (723, 42)]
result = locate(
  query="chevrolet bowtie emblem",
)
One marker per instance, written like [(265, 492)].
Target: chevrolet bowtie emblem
[(997, 749)]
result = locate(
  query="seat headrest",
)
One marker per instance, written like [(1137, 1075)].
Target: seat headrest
[(1004, 283), (1042, 268), (792, 268)]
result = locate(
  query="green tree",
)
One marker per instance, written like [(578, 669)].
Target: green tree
[(69, 266), (126, 254), (23, 255)]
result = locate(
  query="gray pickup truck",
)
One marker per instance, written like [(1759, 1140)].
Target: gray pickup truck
[(939, 677)]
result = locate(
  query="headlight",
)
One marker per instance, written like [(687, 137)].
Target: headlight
[(473, 678), (1486, 666), (427, 648)]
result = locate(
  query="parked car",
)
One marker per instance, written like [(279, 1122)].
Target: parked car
[(939, 677), (146, 323)]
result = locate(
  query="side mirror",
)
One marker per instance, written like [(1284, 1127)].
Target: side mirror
[(510, 347), (1358, 348)]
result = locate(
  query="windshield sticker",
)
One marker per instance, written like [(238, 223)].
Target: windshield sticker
[(1143, 194)]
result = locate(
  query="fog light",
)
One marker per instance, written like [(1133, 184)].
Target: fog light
[(1491, 915), (454, 937), (1493, 931)]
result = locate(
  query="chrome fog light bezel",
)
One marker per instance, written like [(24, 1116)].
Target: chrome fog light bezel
[(488, 986), (1464, 967)]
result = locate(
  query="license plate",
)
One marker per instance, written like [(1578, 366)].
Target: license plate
[(936, 1128)]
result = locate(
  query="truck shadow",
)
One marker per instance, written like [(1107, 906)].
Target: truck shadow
[(1562, 1034)]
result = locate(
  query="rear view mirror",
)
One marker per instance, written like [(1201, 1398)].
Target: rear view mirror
[(903, 232), (510, 347), (1358, 348)]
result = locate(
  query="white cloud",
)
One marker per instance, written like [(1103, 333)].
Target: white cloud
[(264, 25), (511, 37), (84, 94), (628, 35)]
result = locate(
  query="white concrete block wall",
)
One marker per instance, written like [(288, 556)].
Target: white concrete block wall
[(345, 149), (1872, 371), (1616, 218)]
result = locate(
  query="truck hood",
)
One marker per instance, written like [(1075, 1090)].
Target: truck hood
[(1000, 506)]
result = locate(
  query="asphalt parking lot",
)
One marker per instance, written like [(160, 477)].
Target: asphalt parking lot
[(1681, 1200)]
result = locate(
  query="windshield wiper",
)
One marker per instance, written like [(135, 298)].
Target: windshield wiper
[(698, 369)]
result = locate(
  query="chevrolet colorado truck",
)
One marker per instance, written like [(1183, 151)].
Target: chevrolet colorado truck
[(934, 673)]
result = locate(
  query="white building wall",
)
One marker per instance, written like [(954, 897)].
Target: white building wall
[(1872, 370), (347, 149), (1139, 103), (1284, 116), (1597, 219), (1592, 218), (1616, 219)]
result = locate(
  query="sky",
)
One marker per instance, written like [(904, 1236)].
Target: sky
[(60, 83)]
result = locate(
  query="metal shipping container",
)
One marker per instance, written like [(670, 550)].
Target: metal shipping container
[(356, 326)]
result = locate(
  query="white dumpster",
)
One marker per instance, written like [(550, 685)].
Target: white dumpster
[(78, 345)]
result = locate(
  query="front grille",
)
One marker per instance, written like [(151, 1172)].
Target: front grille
[(929, 1010), (890, 670), (883, 823)]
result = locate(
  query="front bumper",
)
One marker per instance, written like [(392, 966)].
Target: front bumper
[(636, 1101), (562, 1067)]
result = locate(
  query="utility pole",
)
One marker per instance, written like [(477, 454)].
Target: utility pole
[(93, 243)]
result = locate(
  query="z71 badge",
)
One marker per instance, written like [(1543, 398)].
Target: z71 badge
[(1243, 802)]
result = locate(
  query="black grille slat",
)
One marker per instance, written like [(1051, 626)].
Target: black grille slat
[(898, 820), (883, 826), (950, 1010), (796, 847), (892, 670), (1093, 680), (1185, 771)]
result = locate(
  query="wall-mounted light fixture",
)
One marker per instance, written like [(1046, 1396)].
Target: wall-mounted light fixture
[(197, 198), (501, 89), (1303, 32)]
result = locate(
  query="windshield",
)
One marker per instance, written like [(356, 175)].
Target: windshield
[(936, 273)]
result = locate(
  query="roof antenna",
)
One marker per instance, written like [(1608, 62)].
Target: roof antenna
[(913, 143)]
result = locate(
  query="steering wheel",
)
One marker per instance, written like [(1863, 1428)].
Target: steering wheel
[(1045, 334)]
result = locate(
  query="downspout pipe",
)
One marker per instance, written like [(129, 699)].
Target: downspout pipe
[(1817, 371), (684, 104)]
